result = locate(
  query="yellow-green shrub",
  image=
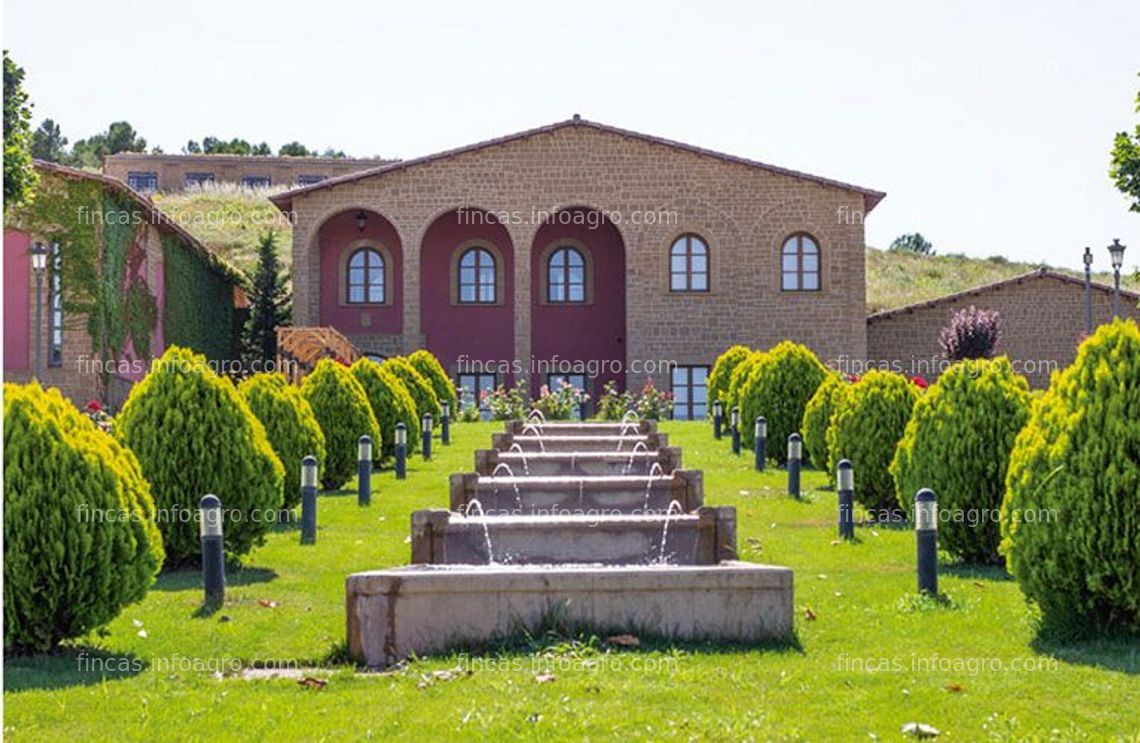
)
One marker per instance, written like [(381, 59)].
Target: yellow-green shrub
[(865, 428), (429, 367), (391, 403), (738, 379), (344, 414), (80, 540), (817, 417), (958, 442), (779, 387), (289, 423), (418, 387), (194, 434), (721, 374), (1071, 514)]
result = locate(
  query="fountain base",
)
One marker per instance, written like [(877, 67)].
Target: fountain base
[(424, 609)]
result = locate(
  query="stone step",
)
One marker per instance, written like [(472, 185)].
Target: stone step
[(704, 537), (529, 442), (426, 609), (581, 428), (577, 495), (599, 463)]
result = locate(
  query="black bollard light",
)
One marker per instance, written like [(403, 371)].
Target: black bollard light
[(445, 424), (309, 500), (926, 535), (364, 471), (718, 419), (735, 422), (760, 442), (795, 458), (582, 410), (426, 422), (845, 478), (401, 451), (213, 560)]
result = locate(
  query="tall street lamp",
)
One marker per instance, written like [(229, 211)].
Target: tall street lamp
[(1088, 290), (1117, 252), (39, 265)]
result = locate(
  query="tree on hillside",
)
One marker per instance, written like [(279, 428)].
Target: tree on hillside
[(295, 149), (330, 152), (912, 243), (48, 142), (261, 149), (119, 137), (192, 148), (1125, 168), (19, 176), (269, 303)]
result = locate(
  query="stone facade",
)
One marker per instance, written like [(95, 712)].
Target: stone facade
[(174, 173), (1043, 322), (653, 191)]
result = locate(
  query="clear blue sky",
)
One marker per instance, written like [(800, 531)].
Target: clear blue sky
[(988, 123)]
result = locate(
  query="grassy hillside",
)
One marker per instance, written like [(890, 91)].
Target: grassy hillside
[(897, 279), (230, 220)]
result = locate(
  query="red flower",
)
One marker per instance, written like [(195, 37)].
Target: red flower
[(919, 382), (342, 361), (852, 378), (93, 406)]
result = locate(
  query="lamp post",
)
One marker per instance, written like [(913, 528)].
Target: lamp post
[(718, 418), (426, 422), (1088, 290), (445, 424), (401, 451), (213, 562), (926, 536), (364, 471), (309, 500), (795, 461), (845, 478), (39, 266), (1116, 250), (735, 421), (760, 442)]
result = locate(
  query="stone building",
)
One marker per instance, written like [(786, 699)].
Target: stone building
[(147, 173), (95, 232), (583, 252), (1042, 321)]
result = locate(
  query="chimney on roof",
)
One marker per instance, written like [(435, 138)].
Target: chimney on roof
[(577, 118)]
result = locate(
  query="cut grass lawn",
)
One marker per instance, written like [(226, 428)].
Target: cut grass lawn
[(873, 657)]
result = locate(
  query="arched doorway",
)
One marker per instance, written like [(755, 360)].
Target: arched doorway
[(578, 301), (467, 291)]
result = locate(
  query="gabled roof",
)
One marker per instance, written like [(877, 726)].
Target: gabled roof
[(1041, 273), (284, 199), (156, 217)]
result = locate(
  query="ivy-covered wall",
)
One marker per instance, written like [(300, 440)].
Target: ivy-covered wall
[(198, 307)]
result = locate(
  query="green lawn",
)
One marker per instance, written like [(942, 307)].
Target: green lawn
[(871, 659)]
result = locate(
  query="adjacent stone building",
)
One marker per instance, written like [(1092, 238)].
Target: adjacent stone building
[(147, 173), (584, 252), (118, 284), (1042, 323)]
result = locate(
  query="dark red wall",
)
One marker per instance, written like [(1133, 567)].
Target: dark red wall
[(17, 298), (482, 332), (576, 332), (334, 236)]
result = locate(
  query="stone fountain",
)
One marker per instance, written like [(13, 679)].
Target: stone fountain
[(595, 521)]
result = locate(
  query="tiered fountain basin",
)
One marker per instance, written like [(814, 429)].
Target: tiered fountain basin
[(634, 461), (704, 537), (426, 609), (583, 495), (594, 521), (561, 442)]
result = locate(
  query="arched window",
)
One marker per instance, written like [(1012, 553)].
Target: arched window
[(365, 277), (800, 264), (477, 277), (689, 265), (566, 276)]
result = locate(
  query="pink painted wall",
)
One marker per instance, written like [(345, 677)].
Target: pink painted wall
[(140, 270), (482, 332), (334, 237), (17, 300), (581, 332)]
